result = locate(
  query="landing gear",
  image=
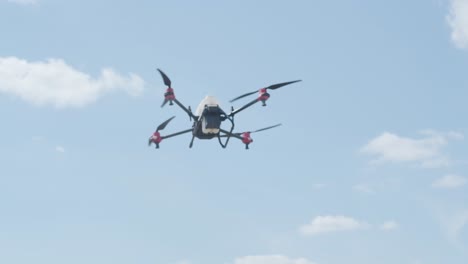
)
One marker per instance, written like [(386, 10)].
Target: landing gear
[(191, 142)]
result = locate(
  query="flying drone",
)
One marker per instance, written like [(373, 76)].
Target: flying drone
[(208, 116)]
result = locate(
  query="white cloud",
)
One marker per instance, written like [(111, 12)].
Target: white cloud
[(426, 151), (389, 226), (327, 224), (60, 149), (271, 259), (450, 181), (458, 21), (363, 188), (183, 262), (454, 224), (54, 82), (455, 135), (37, 138), (452, 216), (24, 2), (319, 186)]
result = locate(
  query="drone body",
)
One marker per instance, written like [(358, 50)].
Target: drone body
[(209, 116)]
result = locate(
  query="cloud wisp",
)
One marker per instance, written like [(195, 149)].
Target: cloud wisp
[(363, 188), (450, 181), (330, 223), (60, 149), (271, 259), (339, 223), (458, 22), (24, 2), (453, 224), (425, 151), (389, 226), (184, 261), (57, 83)]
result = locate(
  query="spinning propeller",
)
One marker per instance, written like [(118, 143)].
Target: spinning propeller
[(166, 79), (245, 136), (263, 90), (169, 95), (246, 139), (156, 137), (258, 130), (164, 124)]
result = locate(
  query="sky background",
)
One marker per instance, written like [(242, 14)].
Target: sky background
[(369, 166)]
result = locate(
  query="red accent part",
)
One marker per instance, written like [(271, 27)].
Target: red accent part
[(263, 95), (156, 137), (169, 94), (246, 139)]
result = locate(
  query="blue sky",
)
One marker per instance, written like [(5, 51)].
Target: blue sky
[(369, 166)]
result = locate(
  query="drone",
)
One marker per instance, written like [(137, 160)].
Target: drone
[(209, 116)]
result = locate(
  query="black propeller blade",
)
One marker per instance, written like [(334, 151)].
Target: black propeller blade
[(166, 79), (258, 130), (242, 96), (272, 87), (278, 85), (164, 124)]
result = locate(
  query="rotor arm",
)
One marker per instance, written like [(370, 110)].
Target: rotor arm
[(186, 110), (243, 107), (228, 134), (245, 136), (177, 133), (241, 136)]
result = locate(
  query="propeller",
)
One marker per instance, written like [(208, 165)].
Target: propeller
[(166, 79), (156, 138), (167, 82), (164, 124), (258, 130), (265, 128), (272, 87)]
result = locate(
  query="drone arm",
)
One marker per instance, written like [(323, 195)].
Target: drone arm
[(176, 134), (244, 107), (227, 133), (191, 115)]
